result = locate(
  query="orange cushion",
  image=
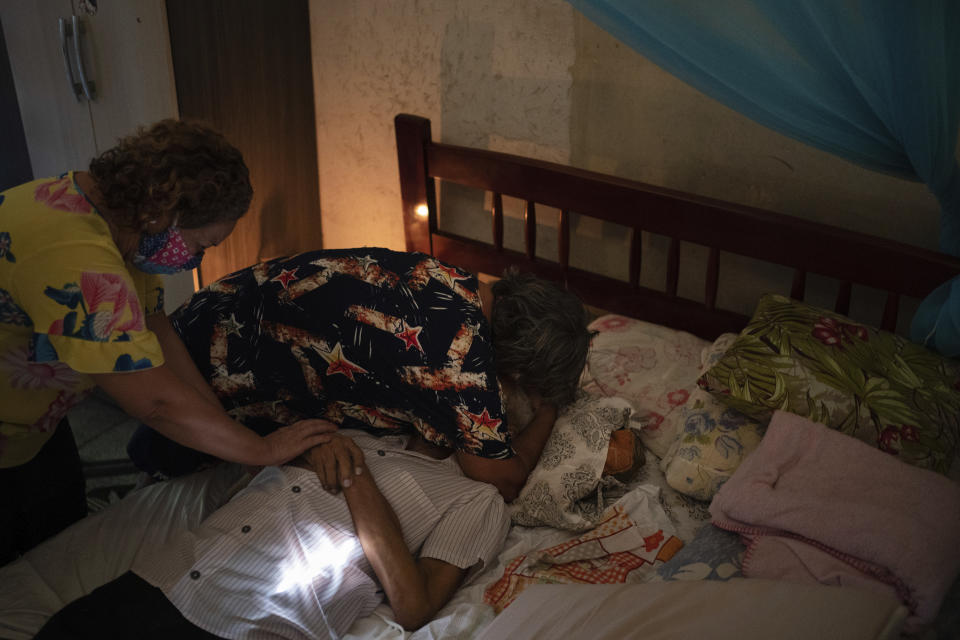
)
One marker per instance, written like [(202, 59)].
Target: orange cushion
[(621, 452)]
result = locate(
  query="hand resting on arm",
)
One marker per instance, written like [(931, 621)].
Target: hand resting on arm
[(416, 588)]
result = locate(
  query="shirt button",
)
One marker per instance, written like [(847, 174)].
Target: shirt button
[(295, 489), (194, 575), (245, 529), (381, 452)]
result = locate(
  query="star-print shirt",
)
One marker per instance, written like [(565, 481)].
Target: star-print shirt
[(69, 306), (366, 338)]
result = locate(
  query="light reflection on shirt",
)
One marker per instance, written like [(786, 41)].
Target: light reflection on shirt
[(324, 557)]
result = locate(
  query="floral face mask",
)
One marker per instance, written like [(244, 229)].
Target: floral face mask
[(165, 252)]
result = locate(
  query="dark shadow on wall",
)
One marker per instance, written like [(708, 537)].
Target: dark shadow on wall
[(245, 68), (14, 158)]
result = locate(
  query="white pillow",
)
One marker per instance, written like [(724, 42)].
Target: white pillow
[(652, 366), (564, 490)]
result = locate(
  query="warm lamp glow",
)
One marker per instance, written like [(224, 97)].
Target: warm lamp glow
[(422, 210)]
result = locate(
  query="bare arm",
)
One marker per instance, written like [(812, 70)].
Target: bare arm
[(509, 475), (178, 358), (416, 588), (159, 398)]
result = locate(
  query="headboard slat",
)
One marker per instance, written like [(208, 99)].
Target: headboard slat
[(713, 279), (636, 255), (497, 216), (673, 267), (890, 310), (530, 228), (563, 245), (842, 305), (799, 286)]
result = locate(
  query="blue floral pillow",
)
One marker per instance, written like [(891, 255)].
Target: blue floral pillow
[(712, 442), (713, 554), (712, 439)]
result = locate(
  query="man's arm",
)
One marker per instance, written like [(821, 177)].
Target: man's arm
[(509, 475), (416, 589)]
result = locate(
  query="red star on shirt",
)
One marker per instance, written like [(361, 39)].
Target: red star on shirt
[(452, 272), (339, 364), (483, 423), (445, 274), (410, 337), (286, 277), (377, 418)]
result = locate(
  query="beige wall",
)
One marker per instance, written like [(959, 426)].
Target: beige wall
[(539, 79), (491, 74)]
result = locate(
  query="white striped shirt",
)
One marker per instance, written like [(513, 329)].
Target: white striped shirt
[(282, 560)]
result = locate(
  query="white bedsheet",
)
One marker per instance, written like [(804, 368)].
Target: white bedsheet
[(105, 545)]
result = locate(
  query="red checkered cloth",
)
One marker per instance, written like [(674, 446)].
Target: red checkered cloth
[(631, 537)]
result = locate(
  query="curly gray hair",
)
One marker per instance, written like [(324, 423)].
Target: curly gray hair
[(540, 336)]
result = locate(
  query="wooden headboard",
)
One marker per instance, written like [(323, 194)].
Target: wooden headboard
[(806, 247)]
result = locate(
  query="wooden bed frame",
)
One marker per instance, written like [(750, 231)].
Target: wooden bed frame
[(806, 247)]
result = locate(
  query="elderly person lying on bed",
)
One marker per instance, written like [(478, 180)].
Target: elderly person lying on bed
[(386, 342), (286, 559)]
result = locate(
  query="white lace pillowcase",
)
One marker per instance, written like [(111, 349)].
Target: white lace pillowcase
[(565, 490), (652, 366)]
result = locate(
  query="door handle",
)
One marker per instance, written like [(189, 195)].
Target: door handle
[(89, 89), (66, 32)]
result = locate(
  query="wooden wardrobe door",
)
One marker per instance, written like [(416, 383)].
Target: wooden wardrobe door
[(244, 68)]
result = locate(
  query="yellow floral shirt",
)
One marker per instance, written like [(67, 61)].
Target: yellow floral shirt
[(69, 306)]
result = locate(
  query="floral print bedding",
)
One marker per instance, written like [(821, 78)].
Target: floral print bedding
[(565, 489), (712, 439), (876, 386), (652, 366)]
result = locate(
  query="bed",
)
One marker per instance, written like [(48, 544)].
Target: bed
[(656, 369), (638, 322)]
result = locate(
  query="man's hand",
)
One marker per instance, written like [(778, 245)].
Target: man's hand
[(337, 462), (287, 443)]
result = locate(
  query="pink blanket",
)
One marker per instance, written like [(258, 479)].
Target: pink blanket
[(817, 505)]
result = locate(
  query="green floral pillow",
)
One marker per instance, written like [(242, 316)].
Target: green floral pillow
[(881, 388)]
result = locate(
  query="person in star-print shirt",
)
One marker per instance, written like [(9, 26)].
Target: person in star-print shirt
[(383, 341)]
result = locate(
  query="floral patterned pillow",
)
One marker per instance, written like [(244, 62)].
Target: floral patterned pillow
[(652, 366), (712, 440), (565, 490), (867, 383)]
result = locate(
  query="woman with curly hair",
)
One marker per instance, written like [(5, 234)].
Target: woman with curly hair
[(81, 305)]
